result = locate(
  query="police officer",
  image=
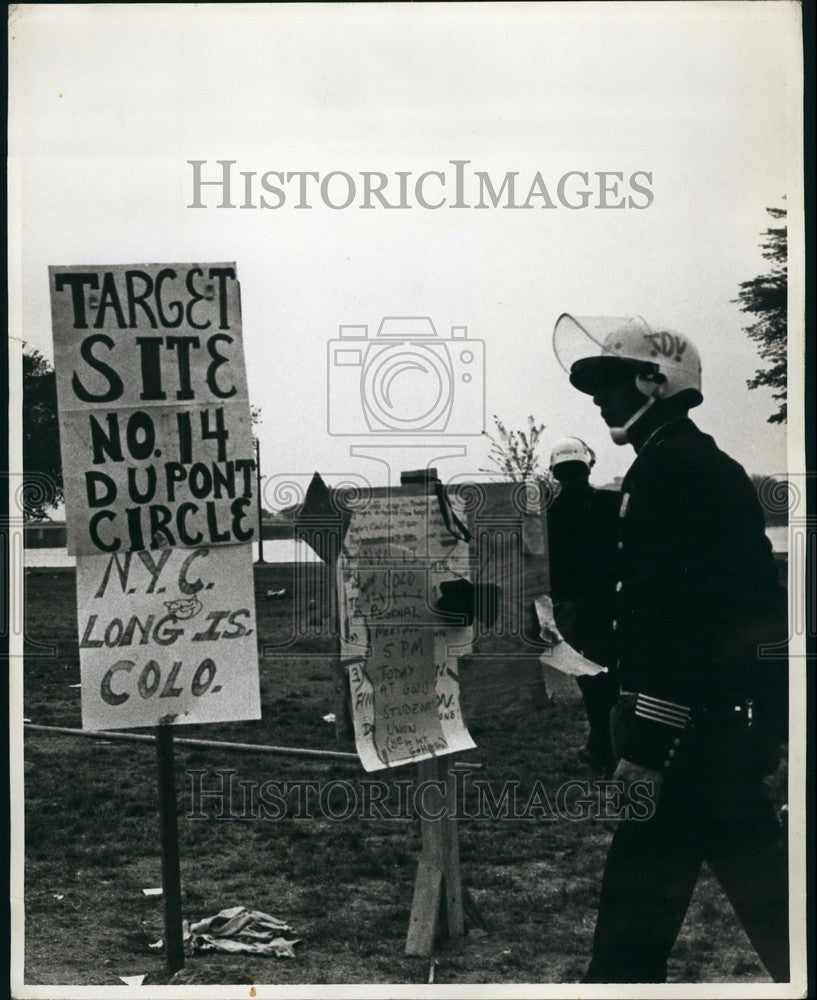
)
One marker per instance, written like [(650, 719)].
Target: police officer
[(702, 714), (582, 523)]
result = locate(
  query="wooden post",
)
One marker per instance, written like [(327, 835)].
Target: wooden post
[(169, 837), (438, 898), (438, 901), (258, 503)]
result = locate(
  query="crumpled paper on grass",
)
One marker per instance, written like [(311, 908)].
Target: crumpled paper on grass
[(238, 930)]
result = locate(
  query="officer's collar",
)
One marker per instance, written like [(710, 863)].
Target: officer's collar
[(673, 426), (669, 427)]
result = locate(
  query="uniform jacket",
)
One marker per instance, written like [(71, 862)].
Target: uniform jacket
[(697, 593)]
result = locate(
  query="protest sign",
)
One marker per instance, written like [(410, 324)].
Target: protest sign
[(154, 416), (402, 662), (156, 443), (167, 636)]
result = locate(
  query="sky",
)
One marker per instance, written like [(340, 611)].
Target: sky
[(109, 103)]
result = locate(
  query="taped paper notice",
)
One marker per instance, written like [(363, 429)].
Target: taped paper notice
[(402, 661), (560, 654)]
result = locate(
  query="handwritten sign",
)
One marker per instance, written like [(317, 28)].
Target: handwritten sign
[(158, 472), (402, 662), (167, 636), (154, 415)]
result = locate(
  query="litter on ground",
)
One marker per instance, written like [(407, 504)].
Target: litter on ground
[(237, 929)]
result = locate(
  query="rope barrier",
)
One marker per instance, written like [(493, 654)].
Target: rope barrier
[(198, 744)]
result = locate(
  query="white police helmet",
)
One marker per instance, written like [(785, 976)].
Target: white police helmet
[(594, 349), (572, 449)]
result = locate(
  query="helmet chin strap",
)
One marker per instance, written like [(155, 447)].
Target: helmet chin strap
[(619, 434)]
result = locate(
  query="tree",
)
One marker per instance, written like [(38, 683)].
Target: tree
[(42, 465), (514, 453), (765, 296)]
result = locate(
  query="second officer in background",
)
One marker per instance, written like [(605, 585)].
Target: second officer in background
[(582, 524)]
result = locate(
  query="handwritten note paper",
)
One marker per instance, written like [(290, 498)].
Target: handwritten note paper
[(402, 660), (560, 654)]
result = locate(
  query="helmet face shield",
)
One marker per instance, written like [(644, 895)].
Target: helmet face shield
[(578, 337)]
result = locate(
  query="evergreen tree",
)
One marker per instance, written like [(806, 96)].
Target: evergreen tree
[(765, 297)]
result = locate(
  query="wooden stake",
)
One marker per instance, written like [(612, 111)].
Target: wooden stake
[(452, 878), (425, 908), (437, 904), (169, 837)]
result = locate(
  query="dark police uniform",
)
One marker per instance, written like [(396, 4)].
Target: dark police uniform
[(582, 532), (697, 593)]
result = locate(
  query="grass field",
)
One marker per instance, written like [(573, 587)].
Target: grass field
[(345, 887)]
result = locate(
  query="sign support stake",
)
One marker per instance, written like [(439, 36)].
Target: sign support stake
[(169, 836), (438, 893), (259, 504)]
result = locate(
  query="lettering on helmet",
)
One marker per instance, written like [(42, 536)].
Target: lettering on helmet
[(668, 344)]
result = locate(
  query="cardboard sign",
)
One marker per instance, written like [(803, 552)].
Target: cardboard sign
[(167, 636), (402, 662), (155, 422), (505, 674)]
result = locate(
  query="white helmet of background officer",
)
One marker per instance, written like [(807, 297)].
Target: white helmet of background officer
[(572, 449), (664, 364)]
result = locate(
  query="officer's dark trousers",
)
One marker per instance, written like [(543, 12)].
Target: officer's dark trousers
[(600, 694), (713, 807)]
